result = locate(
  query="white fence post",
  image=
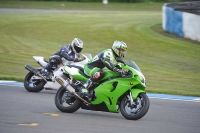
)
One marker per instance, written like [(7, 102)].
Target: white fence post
[(105, 1)]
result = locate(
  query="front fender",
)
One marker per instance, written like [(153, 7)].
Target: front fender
[(135, 93)]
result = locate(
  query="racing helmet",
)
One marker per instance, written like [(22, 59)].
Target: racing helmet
[(119, 48), (77, 45)]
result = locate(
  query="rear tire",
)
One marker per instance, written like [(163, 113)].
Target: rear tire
[(33, 86), (62, 98)]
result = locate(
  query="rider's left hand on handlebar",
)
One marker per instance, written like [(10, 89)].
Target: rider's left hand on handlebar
[(120, 71), (77, 59), (127, 72)]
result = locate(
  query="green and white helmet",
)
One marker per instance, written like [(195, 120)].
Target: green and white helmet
[(119, 47)]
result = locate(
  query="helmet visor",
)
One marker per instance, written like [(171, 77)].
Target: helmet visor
[(78, 49), (122, 52)]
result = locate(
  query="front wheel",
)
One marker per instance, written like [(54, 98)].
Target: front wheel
[(66, 102), (136, 109), (33, 85)]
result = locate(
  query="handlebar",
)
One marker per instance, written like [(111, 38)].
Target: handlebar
[(128, 74), (79, 59)]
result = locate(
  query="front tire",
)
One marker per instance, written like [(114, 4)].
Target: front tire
[(65, 102), (33, 86), (136, 110)]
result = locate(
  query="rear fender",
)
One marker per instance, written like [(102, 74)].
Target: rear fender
[(135, 93), (40, 60)]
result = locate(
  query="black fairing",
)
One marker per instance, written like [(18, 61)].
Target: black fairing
[(98, 107)]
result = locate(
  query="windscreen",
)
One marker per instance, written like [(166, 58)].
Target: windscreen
[(88, 55), (132, 64)]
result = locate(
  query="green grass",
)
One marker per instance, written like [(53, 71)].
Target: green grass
[(170, 64), (80, 5)]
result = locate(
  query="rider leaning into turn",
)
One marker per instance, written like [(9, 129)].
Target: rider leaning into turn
[(70, 52), (106, 58)]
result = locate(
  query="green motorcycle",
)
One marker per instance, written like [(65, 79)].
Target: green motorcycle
[(114, 93)]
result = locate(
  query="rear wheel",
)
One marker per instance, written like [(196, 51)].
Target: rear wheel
[(135, 110), (66, 102), (33, 85)]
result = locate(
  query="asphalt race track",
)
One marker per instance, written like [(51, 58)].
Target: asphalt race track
[(25, 112)]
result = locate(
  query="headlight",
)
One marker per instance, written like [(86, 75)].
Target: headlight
[(143, 80)]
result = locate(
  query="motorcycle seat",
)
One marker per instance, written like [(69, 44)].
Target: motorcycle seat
[(77, 67), (81, 70)]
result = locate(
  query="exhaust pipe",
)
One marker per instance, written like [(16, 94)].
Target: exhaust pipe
[(69, 88), (35, 71), (31, 69)]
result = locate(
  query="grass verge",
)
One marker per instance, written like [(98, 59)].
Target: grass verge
[(170, 64)]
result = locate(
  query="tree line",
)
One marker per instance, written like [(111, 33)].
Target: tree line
[(120, 1)]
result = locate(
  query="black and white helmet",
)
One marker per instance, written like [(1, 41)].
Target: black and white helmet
[(77, 45)]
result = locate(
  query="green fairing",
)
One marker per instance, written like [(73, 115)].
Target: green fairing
[(109, 74), (79, 77), (109, 94), (135, 93)]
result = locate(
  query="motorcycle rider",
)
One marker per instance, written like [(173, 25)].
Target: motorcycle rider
[(70, 52), (106, 58)]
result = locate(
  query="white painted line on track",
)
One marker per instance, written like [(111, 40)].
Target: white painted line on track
[(6, 81), (11, 85), (175, 99), (150, 95), (198, 99)]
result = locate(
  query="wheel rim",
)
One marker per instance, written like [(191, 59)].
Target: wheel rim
[(65, 99), (31, 82), (135, 107)]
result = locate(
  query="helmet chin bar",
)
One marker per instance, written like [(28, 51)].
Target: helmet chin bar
[(122, 53)]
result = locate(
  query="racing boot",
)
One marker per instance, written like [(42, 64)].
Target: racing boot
[(45, 72), (85, 89)]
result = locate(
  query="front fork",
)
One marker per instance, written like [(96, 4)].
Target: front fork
[(134, 93), (131, 98), (135, 102)]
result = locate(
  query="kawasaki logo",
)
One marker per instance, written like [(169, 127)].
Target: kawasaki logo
[(125, 85)]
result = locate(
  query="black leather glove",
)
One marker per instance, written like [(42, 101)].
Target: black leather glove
[(65, 55), (119, 71), (128, 72), (76, 59)]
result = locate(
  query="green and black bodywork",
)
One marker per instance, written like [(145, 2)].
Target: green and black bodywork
[(114, 92)]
